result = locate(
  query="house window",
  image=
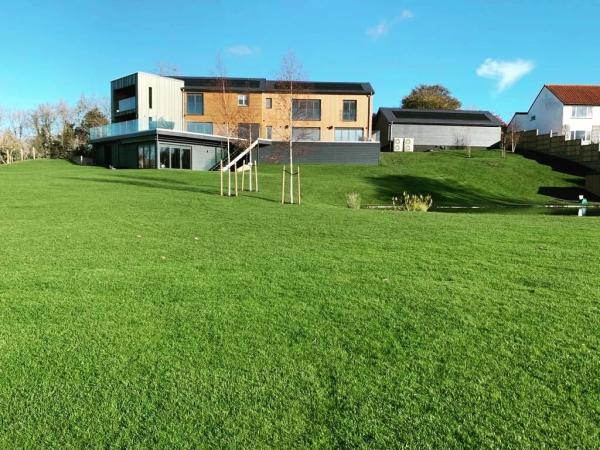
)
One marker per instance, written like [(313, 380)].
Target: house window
[(200, 127), (306, 109), (269, 103), (581, 112), (248, 131), (195, 104), (349, 111), (175, 158), (306, 134), (581, 134), (532, 118), (269, 130), (150, 97), (243, 100), (348, 134)]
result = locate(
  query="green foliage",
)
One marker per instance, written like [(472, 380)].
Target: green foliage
[(412, 202), (433, 96), (130, 320), (353, 200)]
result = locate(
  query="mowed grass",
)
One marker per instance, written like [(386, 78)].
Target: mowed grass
[(140, 309)]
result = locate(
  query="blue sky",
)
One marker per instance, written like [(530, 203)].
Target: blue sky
[(492, 55)]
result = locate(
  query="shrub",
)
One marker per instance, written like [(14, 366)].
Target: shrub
[(353, 200), (412, 202)]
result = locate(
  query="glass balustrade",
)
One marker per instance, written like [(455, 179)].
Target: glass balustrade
[(128, 127)]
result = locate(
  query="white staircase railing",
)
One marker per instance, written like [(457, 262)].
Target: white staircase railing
[(240, 156)]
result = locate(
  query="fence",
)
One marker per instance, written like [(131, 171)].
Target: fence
[(585, 155)]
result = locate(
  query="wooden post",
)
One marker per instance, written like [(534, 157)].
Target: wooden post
[(256, 175), (243, 177), (236, 182), (250, 166), (221, 170), (283, 185), (299, 196)]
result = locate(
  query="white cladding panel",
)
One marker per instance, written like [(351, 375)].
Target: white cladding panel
[(167, 99)]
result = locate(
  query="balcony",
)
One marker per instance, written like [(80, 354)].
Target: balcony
[(126, 105), (129, 127)]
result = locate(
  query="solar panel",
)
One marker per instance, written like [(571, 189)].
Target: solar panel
[(440, 115)]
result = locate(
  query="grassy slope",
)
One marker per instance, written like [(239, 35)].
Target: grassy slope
[(287, 326)]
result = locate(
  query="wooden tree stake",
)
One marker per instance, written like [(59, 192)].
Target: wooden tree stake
[(236, 181), (283, 185), (256, 175), (221, 170), (299, 196)]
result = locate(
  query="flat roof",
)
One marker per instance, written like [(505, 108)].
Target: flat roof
[(233, 84), (439, 117)]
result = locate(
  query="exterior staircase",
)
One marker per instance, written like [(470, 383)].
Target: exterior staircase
[(235, 157)]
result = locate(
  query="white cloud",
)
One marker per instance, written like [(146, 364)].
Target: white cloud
[(381, 29), (242, 50), (506, 73), (406, 14), (383, 26)]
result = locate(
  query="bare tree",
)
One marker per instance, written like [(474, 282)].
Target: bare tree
[(228, 116), (43, 120), (9, 145), (166, 69), (291, 74), (463, 141), (17, 124), (512, 136)]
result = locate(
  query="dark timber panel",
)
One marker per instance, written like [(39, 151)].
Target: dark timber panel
[(321, 153)]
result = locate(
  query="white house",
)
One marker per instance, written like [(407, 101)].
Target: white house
[(562, 109)]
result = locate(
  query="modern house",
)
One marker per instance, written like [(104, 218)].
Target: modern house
[(436, 129), (182, 122), (561, 109)]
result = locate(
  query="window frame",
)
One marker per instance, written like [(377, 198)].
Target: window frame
[(269, 132), (318, 129), (348, 130), (269, 103), (197, 122), (350, 102), (588, 110), (587, 135), (245, 103), (296, 110), (187, 104)]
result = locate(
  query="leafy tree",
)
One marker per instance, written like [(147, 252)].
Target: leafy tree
[(434, 96)]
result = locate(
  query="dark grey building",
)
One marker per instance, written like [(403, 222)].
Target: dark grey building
[(437, 129)]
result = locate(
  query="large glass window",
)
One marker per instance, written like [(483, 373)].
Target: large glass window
[(348, 134), (349, 111), (147, 156), (581, 112), (248, 131), (175, 158), (306, 109), (200, 127), (306, 134), (195, 104)]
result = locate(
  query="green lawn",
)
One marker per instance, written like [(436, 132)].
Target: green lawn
[(140, 309)]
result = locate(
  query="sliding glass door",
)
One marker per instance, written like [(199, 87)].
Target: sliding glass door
[(175, 157), (147, 156)]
